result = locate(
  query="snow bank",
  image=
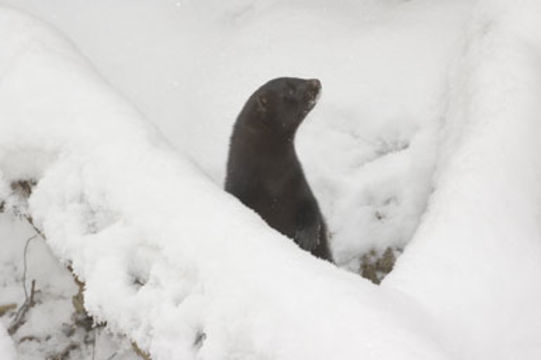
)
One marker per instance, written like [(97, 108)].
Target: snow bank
[(7, 351), (476, 259), (168, 258), (367, 149), (44, 332), (184, 270)]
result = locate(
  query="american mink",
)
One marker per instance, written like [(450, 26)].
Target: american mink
[(263, 170)]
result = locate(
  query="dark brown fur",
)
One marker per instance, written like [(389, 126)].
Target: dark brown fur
[(263, 170)]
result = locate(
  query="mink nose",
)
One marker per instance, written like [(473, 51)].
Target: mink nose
[(313, 87), (314, 84)]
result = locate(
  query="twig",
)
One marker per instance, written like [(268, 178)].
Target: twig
[(32, 293), (142, 354), (25, 266), (28, 300), (30, 221), (21, 314), (29, 338)]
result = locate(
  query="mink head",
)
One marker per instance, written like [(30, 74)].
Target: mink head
[(278, 107)]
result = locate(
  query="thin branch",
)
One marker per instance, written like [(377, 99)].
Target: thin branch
[(20, 317), (36, 229), (142, 354), (25, 266)]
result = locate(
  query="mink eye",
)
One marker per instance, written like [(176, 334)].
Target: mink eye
[(261, 103)]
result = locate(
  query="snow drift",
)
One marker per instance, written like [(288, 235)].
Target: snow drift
[(167, 257), (184, 270), (367, 148), (475, 260)]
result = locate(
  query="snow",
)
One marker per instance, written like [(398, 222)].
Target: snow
[(7, 350), (482, 229), (197, 62), (426, 130), (118, 203), (47, 330)]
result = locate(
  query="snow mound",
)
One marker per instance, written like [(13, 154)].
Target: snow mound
[(167, 257), (184, 270), (368, 148), (476, 259)]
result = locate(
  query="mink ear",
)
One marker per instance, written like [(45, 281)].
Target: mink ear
[(261, 103)]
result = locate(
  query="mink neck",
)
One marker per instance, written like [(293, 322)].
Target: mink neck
[(275, 143), (266, 143)]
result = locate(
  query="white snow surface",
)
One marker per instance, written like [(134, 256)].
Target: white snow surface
[(124, 209), (482, 233), (7, 350), (423, 101), (189, 66)]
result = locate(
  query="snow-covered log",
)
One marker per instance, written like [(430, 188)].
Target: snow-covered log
[(168, 258)]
